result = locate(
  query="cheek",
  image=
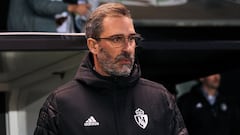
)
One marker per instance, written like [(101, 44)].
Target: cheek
[(106, 53), (113, 52), (133, 50)]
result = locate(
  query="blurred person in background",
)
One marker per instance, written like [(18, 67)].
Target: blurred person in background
[(208, 112), (46, 15), (80, 20)]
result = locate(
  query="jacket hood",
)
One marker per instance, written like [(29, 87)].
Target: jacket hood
[(90, 77)]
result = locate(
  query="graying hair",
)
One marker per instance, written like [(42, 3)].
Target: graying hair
[(93, 27)]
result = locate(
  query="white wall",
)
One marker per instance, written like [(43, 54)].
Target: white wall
[(27, 94), (184, 87), (32, 108)]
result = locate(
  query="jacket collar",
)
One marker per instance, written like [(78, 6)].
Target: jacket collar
[(90, 77)]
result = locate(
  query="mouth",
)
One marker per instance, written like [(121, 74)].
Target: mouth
[(125, 61)]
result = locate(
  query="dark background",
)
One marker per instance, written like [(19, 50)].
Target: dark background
[(3, 14), (2, 114)]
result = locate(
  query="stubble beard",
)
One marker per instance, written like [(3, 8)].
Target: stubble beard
[(112, 66)]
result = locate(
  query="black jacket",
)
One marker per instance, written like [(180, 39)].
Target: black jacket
[(95, 105), (201, 118)]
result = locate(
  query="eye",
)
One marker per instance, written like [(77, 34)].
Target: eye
[(117, 39), (132, 38)]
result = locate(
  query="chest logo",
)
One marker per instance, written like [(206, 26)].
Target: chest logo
[(91, 121), (141, 118)]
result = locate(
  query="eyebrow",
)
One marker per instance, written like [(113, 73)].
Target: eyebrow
[(132, 34)]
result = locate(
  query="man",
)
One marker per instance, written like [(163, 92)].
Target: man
[(206, 111), (42, 15), (107, 96)]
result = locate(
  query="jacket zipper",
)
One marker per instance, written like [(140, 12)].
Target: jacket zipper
[(115, 110)]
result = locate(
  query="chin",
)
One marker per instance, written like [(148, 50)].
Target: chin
[(125, 73)]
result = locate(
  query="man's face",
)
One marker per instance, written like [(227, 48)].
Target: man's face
[(212, 81), (114, 58)]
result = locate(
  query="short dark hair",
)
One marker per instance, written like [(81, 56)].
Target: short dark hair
[(93, 27)]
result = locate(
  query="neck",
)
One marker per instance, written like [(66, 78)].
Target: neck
[(210, 91)]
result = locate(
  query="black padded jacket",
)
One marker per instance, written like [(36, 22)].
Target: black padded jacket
[(91, 104)]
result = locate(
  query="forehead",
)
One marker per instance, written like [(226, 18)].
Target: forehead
[(214, 76), (117, 25)]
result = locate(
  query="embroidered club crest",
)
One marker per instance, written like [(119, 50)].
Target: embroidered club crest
[(141, 118)]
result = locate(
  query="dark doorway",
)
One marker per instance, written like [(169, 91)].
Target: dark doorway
[(2, 114)]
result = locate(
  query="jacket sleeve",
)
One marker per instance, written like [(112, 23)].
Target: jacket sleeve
[(184, 105), (177, 121), (47, 123), (47, 7)]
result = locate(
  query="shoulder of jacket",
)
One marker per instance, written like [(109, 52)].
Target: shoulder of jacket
[(159, 92), (154, 86), (51, 101), (69, 86), (151, 84)]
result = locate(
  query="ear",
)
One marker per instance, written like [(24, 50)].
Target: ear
[(92, 45)]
